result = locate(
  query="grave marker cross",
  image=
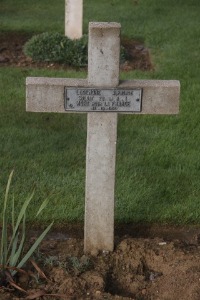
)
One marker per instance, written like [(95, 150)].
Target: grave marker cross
[(102, 96)]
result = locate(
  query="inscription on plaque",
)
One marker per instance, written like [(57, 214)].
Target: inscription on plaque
[(96, 99)]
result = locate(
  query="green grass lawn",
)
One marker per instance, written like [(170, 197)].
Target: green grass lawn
[(158, 157)]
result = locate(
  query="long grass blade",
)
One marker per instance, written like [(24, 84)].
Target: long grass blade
[(16, 256), (43, 205), (20, 216), (13, 251), (4, 238), (34, 246), (13, 214), (23, 210)]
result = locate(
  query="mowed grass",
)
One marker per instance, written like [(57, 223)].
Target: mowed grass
[(158, 157)]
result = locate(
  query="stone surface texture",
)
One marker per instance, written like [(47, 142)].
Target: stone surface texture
[(74, 19), (103, 70), (47, 94), (100, 181), (103, 54)]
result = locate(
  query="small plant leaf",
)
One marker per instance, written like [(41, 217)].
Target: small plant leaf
[(23, 210), (13, 213), (43, 205), (16, 255), (14, 248), (21, 214), (34, 246), (4, 238), (8, 186)]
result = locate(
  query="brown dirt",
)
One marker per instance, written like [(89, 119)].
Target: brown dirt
[(148, 263), (11, 54)]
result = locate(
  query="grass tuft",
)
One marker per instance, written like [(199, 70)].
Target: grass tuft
[(12, 258)]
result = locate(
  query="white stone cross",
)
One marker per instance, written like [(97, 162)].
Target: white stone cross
[(102, 96), (74, 19)]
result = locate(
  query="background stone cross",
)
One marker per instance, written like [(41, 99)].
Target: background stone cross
[(102, 96), (74, 19)]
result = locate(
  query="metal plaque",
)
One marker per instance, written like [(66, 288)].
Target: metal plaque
[(105, 100)]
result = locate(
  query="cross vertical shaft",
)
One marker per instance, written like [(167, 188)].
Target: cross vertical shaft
[(103, 71)]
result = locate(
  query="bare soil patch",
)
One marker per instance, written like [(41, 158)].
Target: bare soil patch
[(11, 54), (148, 263)]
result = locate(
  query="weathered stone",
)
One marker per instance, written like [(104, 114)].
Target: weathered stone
[(48, 95), (103, 70), (73, 18), (158, 96)]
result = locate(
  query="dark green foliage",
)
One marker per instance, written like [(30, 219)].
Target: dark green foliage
[(55, 47), (123, 55)]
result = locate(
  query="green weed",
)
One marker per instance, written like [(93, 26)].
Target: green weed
[(12, 257)]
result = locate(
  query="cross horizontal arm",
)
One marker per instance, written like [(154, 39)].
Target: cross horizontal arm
[(158, 96), (47, 94)]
